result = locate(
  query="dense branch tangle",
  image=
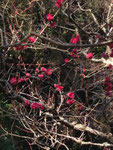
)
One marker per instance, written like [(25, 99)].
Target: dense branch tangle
[(58, 122)]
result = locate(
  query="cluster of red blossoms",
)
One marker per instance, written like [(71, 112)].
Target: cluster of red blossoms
[(14, 81), (41, 73), (108, 88), (31, 40), (71, 96), (34, 105), (74, 52), (50, 16)]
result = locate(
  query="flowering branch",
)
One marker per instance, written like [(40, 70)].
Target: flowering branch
[(63, 45)]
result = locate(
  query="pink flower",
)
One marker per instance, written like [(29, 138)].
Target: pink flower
[(69, 101), (83, 69), (75, 40), (89, 56), (48, 71), (58, 87), (71, 95), (16, 48), (40, 106), (49, 17), (40, 75), (20, 80), (28, 75), (36, 105), (32, 39), (74, 51), (33, 106), (43, 69), (82, 75), (26, 102), (59, 3), (66, 60), (53, 25), (37, 70), (13, 81)]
